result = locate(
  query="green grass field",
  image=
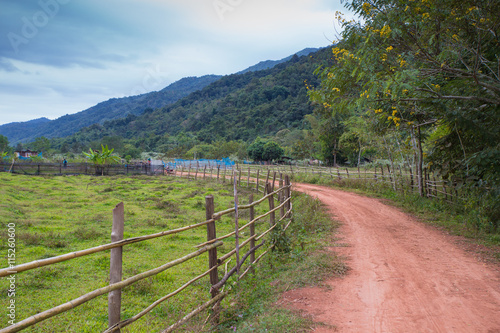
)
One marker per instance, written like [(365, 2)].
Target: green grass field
[(57, 215)]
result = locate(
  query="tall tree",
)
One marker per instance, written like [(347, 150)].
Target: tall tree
[(428, 70), (4, 143)]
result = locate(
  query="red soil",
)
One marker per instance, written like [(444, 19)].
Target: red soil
[(404, 276)]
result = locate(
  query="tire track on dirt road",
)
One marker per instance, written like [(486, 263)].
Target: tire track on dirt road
[(404, 276)]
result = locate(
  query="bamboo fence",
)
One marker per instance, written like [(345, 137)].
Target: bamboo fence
[(284, 208)]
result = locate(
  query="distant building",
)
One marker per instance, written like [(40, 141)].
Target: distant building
[(25, 153)]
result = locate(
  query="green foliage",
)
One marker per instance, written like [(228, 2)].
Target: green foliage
[(256, 149), (264, 150), (102, 158), (272, 151), (4, 143), (41, 144), (423, 76)]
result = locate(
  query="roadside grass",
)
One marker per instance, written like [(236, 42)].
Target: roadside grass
[(253, 307), (453, 218), (61, 214)]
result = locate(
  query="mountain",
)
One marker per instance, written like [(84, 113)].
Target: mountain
[(120, 108), (114, 108), (22, 129), (271, 63), (235, 107)]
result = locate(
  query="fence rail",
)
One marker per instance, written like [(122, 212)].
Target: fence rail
[(400, 178), (35, 168), (282, 195)]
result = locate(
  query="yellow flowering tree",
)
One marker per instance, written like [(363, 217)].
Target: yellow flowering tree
[(428, 70)]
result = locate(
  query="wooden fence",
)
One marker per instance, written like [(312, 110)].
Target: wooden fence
[(399, 178), (279, 201), (38, 168)]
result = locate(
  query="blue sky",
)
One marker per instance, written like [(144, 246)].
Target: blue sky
[(60, 57)]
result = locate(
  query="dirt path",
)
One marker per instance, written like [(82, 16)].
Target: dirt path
[(405, 276)]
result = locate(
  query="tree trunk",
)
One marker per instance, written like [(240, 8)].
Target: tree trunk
[(420, 163)]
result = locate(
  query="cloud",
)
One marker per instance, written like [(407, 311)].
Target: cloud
[(87, 33), (7, 66)]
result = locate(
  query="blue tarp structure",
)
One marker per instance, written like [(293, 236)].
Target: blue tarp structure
[(225, 162), (29, 158)]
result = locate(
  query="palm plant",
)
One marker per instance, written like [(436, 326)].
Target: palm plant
[(102, 158)]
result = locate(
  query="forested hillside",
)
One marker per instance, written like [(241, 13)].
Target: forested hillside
[(108, 110), (22, 129), (236, 107)]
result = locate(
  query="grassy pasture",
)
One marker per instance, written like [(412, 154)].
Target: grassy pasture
[(57, 215)]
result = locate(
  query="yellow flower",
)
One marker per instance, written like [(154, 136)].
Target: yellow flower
[(389, 49), (425, 16), (386, 31), (366, 7), (336, 89), (378, 111)]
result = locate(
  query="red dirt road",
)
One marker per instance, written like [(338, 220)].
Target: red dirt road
[(404, 276)]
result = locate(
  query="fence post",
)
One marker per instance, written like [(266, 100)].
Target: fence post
[(248, 179), (269, 189), (282, 197), (390, 176), (267, 178), (257, 187), (274, 180), (252, 231), (212, 254), (287, 194), (425, 183), (218, 172), (115, 267), (236, 222)]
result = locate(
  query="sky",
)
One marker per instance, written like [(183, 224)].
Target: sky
[(60, 57)]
